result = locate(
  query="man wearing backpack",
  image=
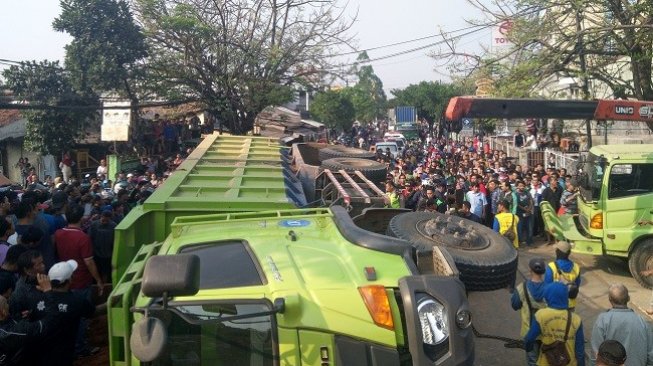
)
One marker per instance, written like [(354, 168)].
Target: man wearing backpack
[(506, 223), (559, 329), (565, 271), (529, 297)]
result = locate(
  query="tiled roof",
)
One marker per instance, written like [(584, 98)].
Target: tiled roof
[(9, 116)]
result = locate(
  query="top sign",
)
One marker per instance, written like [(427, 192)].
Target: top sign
[(115, 122), (500, 34)]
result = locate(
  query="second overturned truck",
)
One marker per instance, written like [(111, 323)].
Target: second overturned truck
[(228, 274)]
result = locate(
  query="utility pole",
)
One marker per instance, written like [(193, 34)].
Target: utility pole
[(583, 69)]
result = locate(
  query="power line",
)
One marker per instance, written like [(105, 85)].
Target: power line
[(473, 29), (401, 42), (411, 50)]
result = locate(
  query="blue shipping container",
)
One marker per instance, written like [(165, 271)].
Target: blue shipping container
[(406, 118), (405, 114)]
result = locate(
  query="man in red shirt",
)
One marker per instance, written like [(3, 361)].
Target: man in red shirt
[(72, 243)]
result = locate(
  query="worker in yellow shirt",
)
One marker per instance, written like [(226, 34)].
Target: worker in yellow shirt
[(391, 196), (506, 223)]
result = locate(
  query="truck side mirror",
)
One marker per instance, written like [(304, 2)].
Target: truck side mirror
[(171, 275)]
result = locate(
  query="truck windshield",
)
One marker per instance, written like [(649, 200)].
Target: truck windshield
[(592, 178), (199, 335)]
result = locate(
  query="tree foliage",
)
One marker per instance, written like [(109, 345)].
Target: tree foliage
[(367, 95), (107, 46), (51, 130), (238, 56), (429, 98), (604, 46), (334, 109)]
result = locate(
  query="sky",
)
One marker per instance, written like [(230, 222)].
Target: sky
[(26, 29)]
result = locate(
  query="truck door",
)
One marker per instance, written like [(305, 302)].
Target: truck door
[(629, 205)]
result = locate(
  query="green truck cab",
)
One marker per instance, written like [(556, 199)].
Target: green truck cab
[(226, 265), (615, 207)]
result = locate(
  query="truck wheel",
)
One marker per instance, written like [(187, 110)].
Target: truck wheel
[(486, 260), (372, 170), (641, 259), (337, 151)]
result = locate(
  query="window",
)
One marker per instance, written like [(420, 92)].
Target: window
[(197, 336), (629, 180), (226, 264)]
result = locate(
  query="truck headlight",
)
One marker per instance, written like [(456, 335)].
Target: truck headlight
[(433, 320)]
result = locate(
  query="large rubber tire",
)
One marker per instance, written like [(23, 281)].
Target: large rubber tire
[(486, 260), (337, 151), (641, 259), (372, 170)]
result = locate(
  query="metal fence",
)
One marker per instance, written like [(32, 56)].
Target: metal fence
[(530, 158), (561, 159)]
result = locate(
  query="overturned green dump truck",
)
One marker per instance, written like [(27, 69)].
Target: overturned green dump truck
[(226, 264)]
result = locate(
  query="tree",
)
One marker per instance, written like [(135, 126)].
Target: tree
[(334, 109), (429, 98), (605, 45), (107, 46), (367, 95), (51, 130), (239, 57)]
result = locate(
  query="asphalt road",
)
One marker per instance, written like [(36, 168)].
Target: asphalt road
[(493, 315)]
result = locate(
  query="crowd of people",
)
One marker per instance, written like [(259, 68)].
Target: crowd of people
[(470, 180), (56, 243)]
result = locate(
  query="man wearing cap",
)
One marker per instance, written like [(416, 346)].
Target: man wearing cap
[(622, 324), (66, 311), (611, 353), (565, 271), (529, 297), (550, 325)]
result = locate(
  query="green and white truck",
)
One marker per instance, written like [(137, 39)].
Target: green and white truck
[(615, 204), (615, 207), (226, 264)]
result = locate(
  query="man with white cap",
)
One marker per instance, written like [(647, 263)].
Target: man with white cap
[(67, 309)]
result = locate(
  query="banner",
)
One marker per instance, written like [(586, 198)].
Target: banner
[(115, 122)]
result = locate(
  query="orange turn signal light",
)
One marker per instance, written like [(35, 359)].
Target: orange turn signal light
[(597, 221), (377, 303)]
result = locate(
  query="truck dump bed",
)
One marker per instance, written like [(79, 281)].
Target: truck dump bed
[(223, 174)]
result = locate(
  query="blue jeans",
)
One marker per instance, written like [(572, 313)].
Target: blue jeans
[(525, 229)]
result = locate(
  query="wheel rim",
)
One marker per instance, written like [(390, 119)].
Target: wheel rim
[(453, 233)]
